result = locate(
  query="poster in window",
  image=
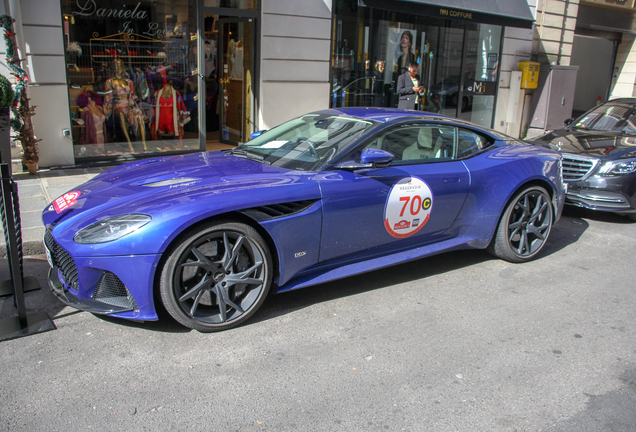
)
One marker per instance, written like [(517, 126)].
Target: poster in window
[(401, 49)]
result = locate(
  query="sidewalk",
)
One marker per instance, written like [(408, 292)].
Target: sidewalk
[(35, 193)]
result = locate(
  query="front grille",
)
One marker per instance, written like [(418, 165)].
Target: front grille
[(62, 260), (111, 290), (577, 168)]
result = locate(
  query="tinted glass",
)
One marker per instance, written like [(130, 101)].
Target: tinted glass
[(469, 143), (458, 62), (305, 143), (609, 117), (418, 143)]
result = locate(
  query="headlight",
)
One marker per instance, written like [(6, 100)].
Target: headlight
[(111, 229), (615, 168)]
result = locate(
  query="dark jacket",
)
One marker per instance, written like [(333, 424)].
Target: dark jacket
[(405, 90)]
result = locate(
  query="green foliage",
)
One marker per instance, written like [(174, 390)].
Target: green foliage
[(7, 94)]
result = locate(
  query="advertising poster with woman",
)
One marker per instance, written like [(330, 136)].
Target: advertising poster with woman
[(401, 49)]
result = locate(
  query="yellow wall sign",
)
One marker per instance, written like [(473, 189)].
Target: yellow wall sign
[(456, 14)]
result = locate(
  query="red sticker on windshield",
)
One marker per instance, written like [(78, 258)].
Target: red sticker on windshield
[(66, 201)]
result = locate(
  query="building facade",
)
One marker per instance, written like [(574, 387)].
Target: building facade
[(114, 80)]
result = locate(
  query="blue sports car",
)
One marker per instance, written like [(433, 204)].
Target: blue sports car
[(324, 196)]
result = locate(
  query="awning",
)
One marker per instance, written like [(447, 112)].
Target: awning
[(510, 13)]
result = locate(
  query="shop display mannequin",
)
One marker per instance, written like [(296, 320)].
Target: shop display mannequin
[(120, 103), (94, 131), (378, 83), (170, 112)]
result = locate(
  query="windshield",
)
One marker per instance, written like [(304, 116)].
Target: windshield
[(618, 117), (305, 143)]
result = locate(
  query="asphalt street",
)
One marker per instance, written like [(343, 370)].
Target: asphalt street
[(456, 342)]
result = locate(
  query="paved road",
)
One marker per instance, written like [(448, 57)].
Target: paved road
[(457, 342)]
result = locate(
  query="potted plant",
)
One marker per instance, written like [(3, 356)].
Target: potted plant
[(22, 111)]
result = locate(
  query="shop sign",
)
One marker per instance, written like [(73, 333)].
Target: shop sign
[(89, 8), (480, 88), (452, 13), (93, 9)]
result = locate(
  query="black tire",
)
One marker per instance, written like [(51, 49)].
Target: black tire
[(524, 226), (632, 216), (217, 277)]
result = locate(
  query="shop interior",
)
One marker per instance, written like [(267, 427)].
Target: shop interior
[(133, 85)]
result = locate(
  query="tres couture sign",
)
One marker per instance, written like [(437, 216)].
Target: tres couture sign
[(91, 9)]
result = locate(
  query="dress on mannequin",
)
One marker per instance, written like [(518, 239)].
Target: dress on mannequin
[(121, 109), (170, 113), (94, 131)]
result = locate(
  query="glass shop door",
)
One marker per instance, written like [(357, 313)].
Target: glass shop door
[(235, 74)]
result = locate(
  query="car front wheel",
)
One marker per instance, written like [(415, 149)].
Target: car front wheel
[(524, 226), (217, 277)]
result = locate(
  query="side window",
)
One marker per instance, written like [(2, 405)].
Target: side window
[(470, 143), (433, 142), (418, 143)]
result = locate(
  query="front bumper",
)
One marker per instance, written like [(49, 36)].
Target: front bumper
[(65, 295), (603, 194), (120, 286)]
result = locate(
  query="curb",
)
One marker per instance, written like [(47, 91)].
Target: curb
[(29, 248)]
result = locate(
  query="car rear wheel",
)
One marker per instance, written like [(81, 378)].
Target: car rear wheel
[(524, 226), (217, 277)]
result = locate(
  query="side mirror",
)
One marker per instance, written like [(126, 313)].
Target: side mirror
[(370, 158), (568, 122), (257, 133), (377, 158)]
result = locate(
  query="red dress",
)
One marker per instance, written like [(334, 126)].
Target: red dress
[(166, 115)]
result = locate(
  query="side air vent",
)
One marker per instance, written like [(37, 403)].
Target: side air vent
[(111, 290), (273, 211)]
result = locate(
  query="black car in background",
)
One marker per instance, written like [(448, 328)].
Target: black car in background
[(599, 157)]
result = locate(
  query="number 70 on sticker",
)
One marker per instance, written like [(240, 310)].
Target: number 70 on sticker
[(408, 207), (416, 204)]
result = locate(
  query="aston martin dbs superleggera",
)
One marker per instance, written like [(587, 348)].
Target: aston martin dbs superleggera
[(324, 196)]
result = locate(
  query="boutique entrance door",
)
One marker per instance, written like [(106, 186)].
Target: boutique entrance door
[(235, 79)]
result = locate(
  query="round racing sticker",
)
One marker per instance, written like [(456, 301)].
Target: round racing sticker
[(408, 207)]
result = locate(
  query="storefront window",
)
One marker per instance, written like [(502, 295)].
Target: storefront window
[(457, 62), (481, 66), (132, 72)]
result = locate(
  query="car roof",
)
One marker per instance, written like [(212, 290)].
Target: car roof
[(623, 100), (394, 115), (382, 115)]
